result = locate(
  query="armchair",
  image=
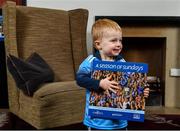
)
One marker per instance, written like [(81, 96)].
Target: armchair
[(59, 36)]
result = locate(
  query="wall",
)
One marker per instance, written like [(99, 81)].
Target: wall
[(113, 7), (18, 2)]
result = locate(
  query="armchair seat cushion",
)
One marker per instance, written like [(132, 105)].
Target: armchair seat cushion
[(49, 89)]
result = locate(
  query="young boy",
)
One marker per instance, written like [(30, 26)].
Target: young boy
[(107, 40)]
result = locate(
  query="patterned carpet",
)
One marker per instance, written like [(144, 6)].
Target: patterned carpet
[(152, 122)]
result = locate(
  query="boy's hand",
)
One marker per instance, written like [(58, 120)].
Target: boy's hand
[(146, 92), (108, 85)]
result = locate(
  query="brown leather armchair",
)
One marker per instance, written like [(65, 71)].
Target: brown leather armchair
[(59, 36)]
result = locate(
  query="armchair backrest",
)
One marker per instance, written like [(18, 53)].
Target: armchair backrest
[(58, 36)]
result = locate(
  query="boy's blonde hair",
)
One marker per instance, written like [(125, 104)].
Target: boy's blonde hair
[(102, 25)]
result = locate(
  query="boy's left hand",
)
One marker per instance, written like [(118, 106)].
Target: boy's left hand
[(146, 92)]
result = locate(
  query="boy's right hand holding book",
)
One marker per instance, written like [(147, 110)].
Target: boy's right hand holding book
[(108, 85)]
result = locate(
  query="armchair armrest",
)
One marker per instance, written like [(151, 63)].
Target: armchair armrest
[(61, 102)]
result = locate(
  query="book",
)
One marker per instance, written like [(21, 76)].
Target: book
[(127, 102)]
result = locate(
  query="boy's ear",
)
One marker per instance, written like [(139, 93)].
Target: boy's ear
[(97, 45)]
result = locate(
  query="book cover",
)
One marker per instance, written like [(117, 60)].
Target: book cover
[(127, 102)]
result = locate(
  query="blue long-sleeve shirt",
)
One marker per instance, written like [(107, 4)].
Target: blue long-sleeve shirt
[(83, 79)]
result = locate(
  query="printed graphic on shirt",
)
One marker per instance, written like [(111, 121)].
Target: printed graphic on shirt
[(127, 102)]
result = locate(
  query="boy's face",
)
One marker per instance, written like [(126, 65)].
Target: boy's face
[(110, 44)]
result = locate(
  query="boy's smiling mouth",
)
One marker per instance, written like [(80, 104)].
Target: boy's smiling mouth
[(116, 50)]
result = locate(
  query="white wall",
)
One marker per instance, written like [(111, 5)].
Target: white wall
[(113, 7)]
